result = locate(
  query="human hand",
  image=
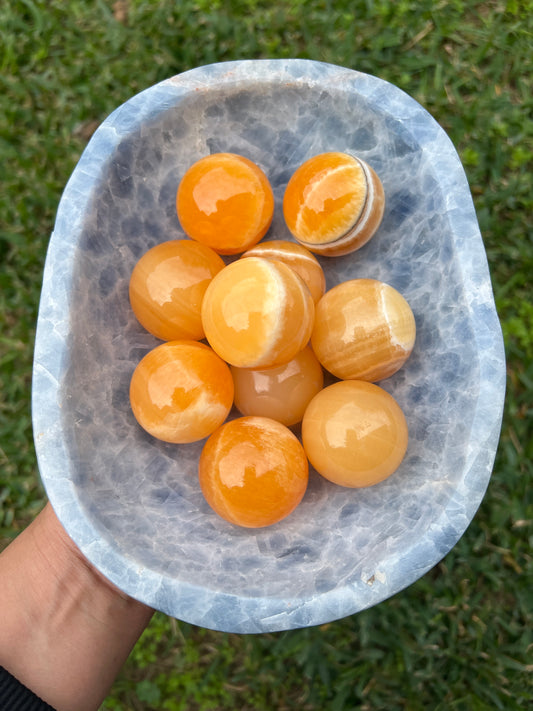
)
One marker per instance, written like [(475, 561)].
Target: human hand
[(65, 629)]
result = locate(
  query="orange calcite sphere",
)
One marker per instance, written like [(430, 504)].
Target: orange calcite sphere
[(333, 203), (253, 471), (354, 433), (226, 202), (181, 391), (364, 330), (281, 393), (297, 257), (167, 288), (257, 313)]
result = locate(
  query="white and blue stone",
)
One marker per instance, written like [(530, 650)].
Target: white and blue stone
[(133, 504)]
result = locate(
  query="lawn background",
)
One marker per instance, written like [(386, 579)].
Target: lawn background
[(459, 638)]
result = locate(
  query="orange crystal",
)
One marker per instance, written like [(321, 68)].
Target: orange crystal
[(281, 393), (167, 288), (364, 330), (354, 433), (257, 313), (297, 257), (181, 391), (225, 201), (333, 203), (253, 471)]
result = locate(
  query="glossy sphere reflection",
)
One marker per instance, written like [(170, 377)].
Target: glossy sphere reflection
[(225, 201), (257, 313), (253, 471), (354, 433), (364, 330), (167, 288), (297, 257), (280, 393), (333, 203), (181, 391)]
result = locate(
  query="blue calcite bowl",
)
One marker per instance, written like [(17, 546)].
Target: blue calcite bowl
[(132, 504)]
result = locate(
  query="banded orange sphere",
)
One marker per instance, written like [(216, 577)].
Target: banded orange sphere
[(167, 288), (257, 313), (354, 433), (181, 391), (253, 471), (225, 201), (334, 203), (281, 393), (364, 330), (297, 257)]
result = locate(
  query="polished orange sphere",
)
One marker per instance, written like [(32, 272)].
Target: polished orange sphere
[(167, 288), (333, 203), (281, 393), (253, 471), (181, 391), (257, 313), (354, 433), (225, 201), (297, 257), (364, 330)]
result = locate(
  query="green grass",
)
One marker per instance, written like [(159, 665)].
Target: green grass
[(459, 638)]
